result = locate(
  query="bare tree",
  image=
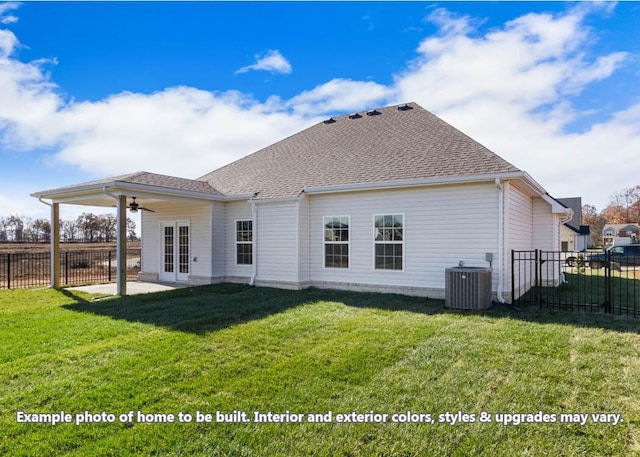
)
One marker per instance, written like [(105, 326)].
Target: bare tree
[(107, 224), (89, 226), (69, 230), (4, 229), (40, 230), (15, 228), (595, 221), (131, 229)]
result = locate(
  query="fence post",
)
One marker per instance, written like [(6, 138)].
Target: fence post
[(109, 266), (608, 286), (66, 267), (538, 269), (9, 270), (513, 272)]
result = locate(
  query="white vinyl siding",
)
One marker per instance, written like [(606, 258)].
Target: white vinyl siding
[(218, 240), (519, 227), (198, 217), (443, 225), (303, 240), (543, 226), (276, 240), (519, 220), (546, 236)]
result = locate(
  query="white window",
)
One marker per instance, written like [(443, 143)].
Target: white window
[(388, 237), (336, 241), (244, 242)]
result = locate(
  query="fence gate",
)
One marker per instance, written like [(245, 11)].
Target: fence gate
[(597, 282)]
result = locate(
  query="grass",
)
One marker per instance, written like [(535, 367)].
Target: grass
[(587, 290), (226, 348)]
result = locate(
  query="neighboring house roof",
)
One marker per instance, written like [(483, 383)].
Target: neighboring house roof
[(618, 227), (575, 204), (401, 142)]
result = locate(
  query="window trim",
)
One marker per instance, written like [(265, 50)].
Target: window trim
[(235, 225), (376, 242), (324, 244)]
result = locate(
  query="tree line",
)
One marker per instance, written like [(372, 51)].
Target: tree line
[(623, 208), (86, 228)]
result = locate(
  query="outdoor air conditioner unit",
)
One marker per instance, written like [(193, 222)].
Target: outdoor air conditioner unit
[(468, 288)]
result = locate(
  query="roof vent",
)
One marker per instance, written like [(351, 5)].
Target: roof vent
[(375, 112), (355, 116), (330, 121), (404, 107)]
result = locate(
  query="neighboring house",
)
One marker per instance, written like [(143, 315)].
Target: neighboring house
[(573, 235), (383, 200), (620, 234)]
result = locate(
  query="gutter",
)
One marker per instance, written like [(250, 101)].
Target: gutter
[(500, 240), (80, 191), (415, 182)]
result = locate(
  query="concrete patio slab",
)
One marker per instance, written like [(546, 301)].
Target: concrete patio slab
[(133, 288)]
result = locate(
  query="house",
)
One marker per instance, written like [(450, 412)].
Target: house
[(573, 235), (382, 200), (620, 234)]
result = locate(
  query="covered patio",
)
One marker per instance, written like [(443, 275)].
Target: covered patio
[(138, 191)]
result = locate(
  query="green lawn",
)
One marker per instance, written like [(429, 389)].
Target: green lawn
[(226, 348), (586, 288)]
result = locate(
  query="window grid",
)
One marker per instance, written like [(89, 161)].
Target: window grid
[(244, 242), (168, 249), (336, 241), (388, 235), (183, 249)]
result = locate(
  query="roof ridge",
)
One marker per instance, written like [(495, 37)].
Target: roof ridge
[(378, 145)]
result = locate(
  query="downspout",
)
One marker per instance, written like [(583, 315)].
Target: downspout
[(500, 240), (254, 216)]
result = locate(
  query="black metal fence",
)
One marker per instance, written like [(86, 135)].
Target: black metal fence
[(595, 282), (18, 270)]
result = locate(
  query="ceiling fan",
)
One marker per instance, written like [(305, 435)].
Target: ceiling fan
[(135, 206)]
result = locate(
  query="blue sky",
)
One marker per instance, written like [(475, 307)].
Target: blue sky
[(90, 90)]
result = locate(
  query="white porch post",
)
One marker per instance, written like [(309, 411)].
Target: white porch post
[(55, 245), (121, 253)]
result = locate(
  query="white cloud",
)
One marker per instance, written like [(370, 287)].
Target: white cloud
[(8, 18), (272, 61), (340, 95), (511, 88)]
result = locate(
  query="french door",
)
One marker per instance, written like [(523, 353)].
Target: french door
[(175, 253)]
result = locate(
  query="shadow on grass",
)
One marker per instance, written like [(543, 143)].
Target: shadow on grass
[(79, 299), (203, 309), (196, 310)]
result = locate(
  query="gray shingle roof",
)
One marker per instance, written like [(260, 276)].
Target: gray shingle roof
[(145, 178), (382, 145), (394, 144), (575, 203)]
